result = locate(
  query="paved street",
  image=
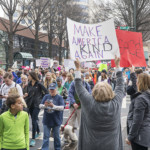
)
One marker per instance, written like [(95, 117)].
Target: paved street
[(125, 107)]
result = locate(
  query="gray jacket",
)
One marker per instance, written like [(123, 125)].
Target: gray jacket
[(139, 119), (100, 127)]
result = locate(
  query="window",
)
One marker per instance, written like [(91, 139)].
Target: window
[(30, 27), (15, 20), (29, 21), (23, 21)]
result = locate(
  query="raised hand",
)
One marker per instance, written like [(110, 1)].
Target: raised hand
[(117, 61), (77, 64)]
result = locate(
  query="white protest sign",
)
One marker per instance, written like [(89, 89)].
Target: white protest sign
[(31, 65), (45, 62), (69, 63), (88, 64), (38, 62), (92, 41), (14, 65)]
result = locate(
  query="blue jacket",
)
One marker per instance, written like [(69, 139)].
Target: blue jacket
[(16, 78), (56, 117), (72, 91)]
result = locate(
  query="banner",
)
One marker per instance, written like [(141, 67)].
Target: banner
[(38, 62), (131, 49), (102, 66), (45, 62), (90, 42), (69, 63)]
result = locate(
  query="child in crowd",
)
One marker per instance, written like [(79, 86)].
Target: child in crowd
[(14, 125)]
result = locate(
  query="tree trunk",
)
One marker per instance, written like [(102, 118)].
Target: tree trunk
[(50, 45), (60, 49), (9, 45), (36, 45)]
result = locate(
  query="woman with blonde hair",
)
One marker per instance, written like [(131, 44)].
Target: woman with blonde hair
[(48, 80), (100, 126), (53, 77), (69, 81), (138, 121), (14, 90)]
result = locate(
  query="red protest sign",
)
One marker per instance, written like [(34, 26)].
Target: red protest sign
[(131, 49)]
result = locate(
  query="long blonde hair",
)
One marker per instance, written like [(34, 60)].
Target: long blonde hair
[(103, 92), (14, 91), (47, 82)]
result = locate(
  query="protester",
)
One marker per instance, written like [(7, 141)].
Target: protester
[(132, 87), (48, 80), (139, 114), (100, 116), (53, 106), (103, 77), (24, 84), (14, 126), (89, 79), (69, 81), (17, 77), (75, 103), (35, 92), (53, 77), (8, 83), (61, 89), (64, 79), (26, 72), (38, 74)]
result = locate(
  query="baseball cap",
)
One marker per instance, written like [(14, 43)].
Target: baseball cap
[(58, 79), (52, 86)]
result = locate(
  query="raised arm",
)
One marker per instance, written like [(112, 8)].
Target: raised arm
[(83, 94)]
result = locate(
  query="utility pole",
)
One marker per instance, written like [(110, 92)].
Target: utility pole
[(134, 18)]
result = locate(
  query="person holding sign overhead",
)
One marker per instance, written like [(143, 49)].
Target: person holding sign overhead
[(100, 127)]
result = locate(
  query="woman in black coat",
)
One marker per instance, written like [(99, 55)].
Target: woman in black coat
[(138, 121), (35, 92)]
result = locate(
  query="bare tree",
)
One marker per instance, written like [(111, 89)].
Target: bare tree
[(38, 13), (9, 8), (125, 13)]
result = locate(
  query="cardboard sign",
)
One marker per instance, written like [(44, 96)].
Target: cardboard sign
[(90, 42), (38, 62), (69, 63), (102, 66), (131, 49), (45, 62)]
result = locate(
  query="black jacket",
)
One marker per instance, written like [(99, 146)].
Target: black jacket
[(35, 94), (132, 89), (138, 120)]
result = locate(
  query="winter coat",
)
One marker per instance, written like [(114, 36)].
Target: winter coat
[(138, 120), (35, 94), (72, 92), (132, 89), (100, 127)]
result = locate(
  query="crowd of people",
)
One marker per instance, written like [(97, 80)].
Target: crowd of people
[(95, 100)]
